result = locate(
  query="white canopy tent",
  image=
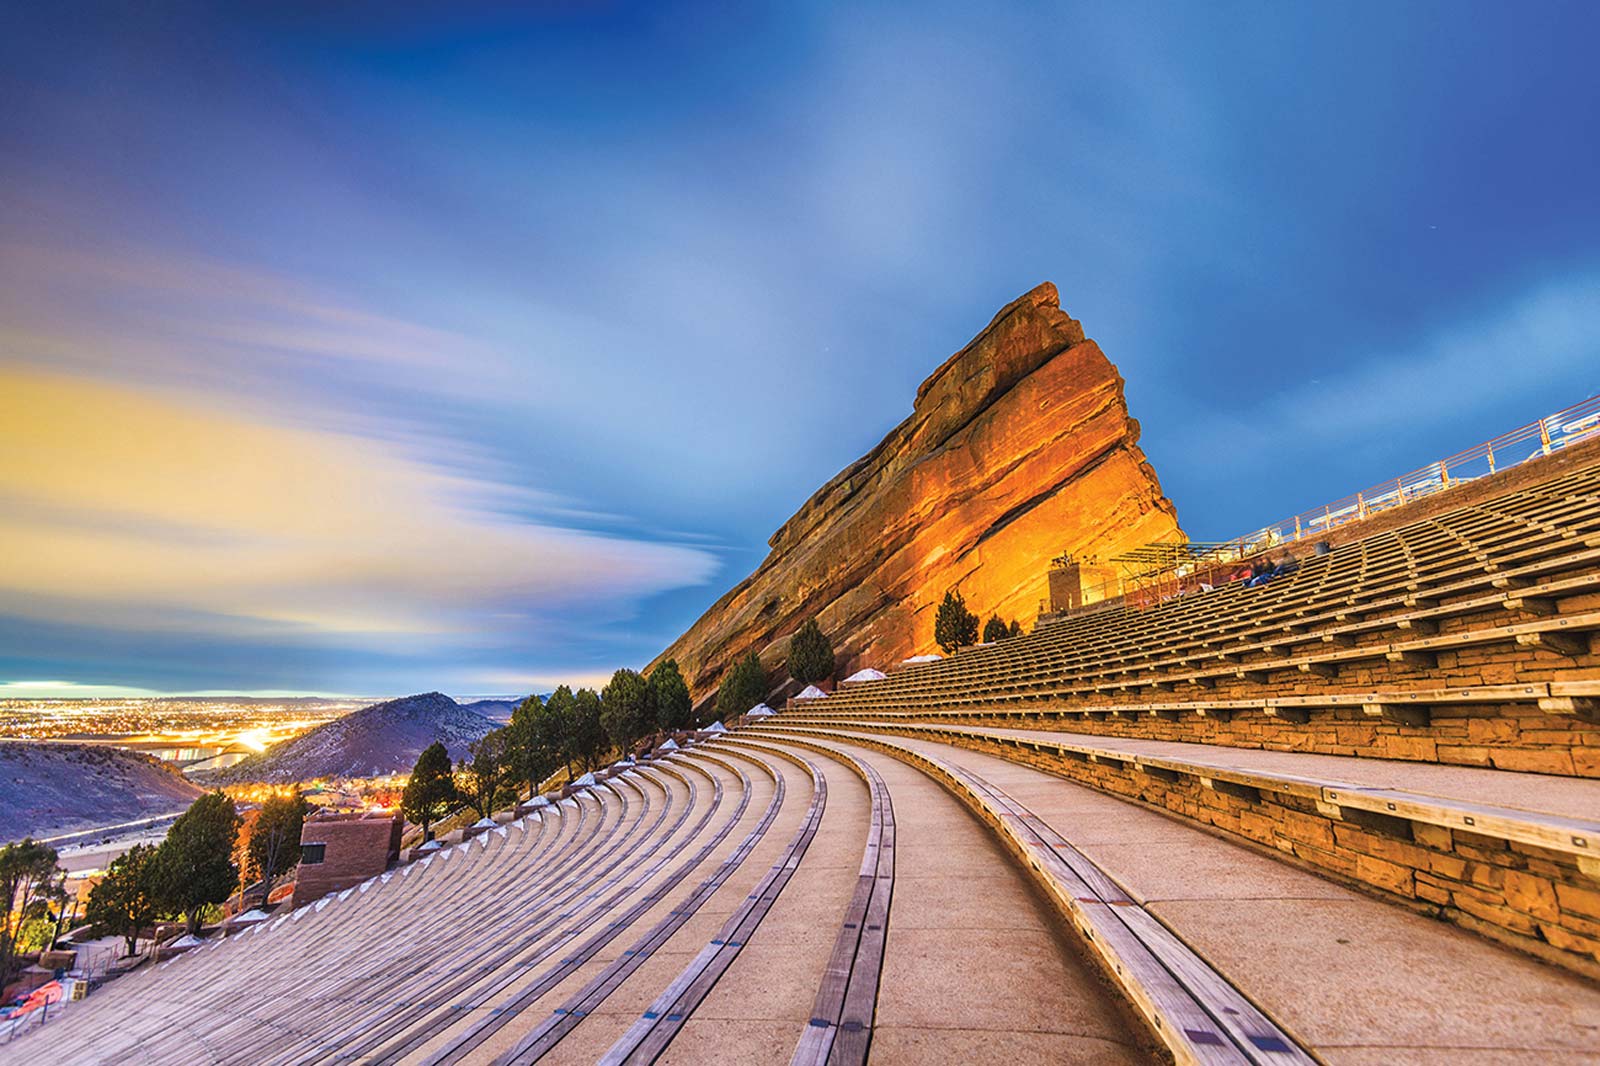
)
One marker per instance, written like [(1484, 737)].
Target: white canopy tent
[(811, 692), (924, 659), (869, 674), (760, 710)]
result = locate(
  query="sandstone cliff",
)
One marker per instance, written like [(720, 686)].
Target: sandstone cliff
[(1018, 448)]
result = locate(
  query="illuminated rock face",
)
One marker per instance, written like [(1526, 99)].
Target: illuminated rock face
[(1019, 448)]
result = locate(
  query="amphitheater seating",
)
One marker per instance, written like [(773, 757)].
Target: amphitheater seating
[(1221, 830), (1472, 624)]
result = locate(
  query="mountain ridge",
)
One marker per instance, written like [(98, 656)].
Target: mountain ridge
[(378, 740)]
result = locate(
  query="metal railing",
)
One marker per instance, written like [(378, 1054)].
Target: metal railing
[(1535, 440)]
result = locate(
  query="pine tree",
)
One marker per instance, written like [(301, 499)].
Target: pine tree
[(628, 710), (126, 900), (954, 626), (558, 731), (431, 790), (743, 686), (810, 654), (28, 876), (674, 709), (194, 865), (588, 729), (483, 778), (275, 837), (994, 630)]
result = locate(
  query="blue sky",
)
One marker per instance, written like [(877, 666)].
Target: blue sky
[(382, 350)]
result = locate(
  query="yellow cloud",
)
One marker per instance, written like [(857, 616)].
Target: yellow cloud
[(127, 506)]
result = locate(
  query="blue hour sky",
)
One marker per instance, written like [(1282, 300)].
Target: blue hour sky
[(378, 348)]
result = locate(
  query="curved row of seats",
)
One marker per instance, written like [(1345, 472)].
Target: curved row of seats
[(400, 967), (844, 891), (1464, 637)]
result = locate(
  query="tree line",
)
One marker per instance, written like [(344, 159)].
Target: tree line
[(575, 731), (197, 866), (578, 731)]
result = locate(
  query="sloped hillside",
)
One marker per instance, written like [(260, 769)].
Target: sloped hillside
[(385, 738), (47, 789)]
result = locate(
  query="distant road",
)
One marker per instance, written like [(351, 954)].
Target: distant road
[(86, 836)]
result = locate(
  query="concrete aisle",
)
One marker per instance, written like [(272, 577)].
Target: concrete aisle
[(759, 1009), (1572, 797), (975, 969)]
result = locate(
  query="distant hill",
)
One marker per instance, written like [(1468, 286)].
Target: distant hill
[(499, 710), (385, 738), (47, 789)]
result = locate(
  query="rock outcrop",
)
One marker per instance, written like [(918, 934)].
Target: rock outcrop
[(1019, 448)]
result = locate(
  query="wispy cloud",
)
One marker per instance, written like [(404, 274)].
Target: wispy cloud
[(138, 508), (1358, 417)]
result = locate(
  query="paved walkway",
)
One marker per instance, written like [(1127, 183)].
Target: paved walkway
[(1357, 980), (1570, 797), (975, 968)]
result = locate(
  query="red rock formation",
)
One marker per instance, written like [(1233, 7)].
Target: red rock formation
[(1019, 448)]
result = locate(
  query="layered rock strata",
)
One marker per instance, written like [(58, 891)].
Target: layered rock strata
[(1019, 448)]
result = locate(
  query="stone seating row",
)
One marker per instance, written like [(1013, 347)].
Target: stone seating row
[(353, 932), (1103, 645), (546, 1035), (1477, 644), (342, 978)]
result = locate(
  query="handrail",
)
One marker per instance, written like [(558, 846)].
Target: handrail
[(1535, 440)]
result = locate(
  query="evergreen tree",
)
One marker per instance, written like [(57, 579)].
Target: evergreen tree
[(558, 731), (588, 729), (483, 779), (1016, 629), (994, 630), (532, 753), (810, 654), (628, 709), (194, 865), (954, 626), (674, 709), (431, 791), (274, 846), (28, 877), (743, 686), (126, 900)]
